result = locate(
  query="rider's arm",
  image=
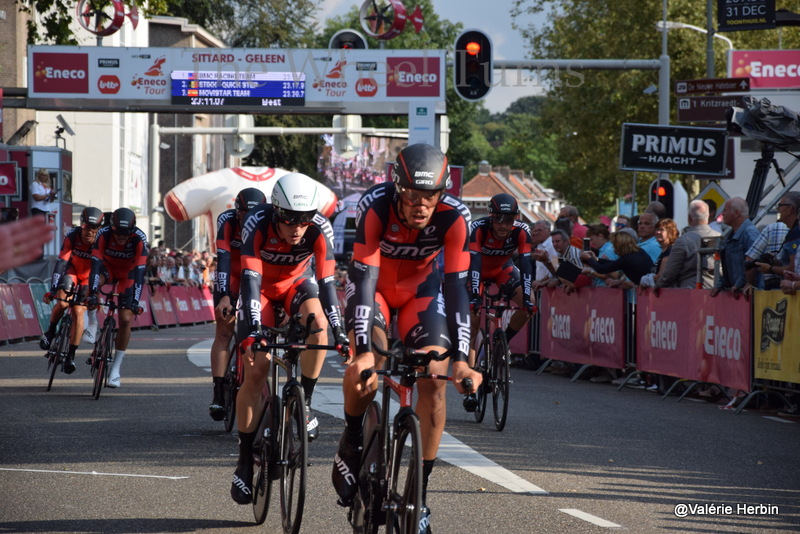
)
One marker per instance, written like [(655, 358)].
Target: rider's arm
[(363, 274), (252, 270), (97, 262), (475, 261), (61, 263), (326, 271), (224, 234), (456, 266), (139, 266), (526, 265)]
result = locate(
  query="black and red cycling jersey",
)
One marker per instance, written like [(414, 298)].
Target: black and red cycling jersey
[(124, 264), (492, 258), (74, 259), (401, 265), (229, 243), (275, 269)]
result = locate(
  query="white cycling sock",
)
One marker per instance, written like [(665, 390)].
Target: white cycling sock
[(118, 356), (91, 318)]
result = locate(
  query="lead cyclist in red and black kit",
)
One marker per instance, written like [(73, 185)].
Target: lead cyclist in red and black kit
[(279, 242), (120, 257), (493, 240), (401, 228), (74, 261), (226, 287)]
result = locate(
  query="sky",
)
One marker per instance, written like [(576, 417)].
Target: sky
[(494, 18)]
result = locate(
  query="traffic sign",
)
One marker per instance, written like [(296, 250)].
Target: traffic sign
[(713, 85), (707, 108), (712, 191)]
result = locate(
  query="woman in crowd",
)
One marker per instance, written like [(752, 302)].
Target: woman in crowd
[(42, 193), (666, 234), (633, 261)]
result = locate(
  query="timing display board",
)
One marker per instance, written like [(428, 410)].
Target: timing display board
[(234, 80)]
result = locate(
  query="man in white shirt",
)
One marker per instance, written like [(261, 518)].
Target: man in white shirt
[(543, 252)]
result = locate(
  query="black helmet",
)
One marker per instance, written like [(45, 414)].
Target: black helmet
[(248, 198), (92, 217), (422, 167), (503, 204), (123, 221)]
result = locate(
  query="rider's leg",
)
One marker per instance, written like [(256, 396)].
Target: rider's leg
[(220, 354), (519, 317), (311, 360), (124, 317)]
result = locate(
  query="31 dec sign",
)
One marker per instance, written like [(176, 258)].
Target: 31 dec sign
[(735, 15)]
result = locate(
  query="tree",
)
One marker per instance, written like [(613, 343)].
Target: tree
[(586, 112)]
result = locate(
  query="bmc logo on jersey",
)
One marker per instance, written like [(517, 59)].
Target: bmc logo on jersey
[(413, 76), (60, 73)]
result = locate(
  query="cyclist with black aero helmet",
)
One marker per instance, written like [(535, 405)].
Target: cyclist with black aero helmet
[(120, 257), (493, 241), (279, 242), (401, 228), (226, 288), (74, 262)]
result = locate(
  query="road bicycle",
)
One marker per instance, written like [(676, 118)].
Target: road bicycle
[(493, 359), (281, 444), (103, 352), (390, 474), (231, 383), (59, 345)]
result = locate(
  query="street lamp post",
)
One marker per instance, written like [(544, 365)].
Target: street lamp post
[(670, 25)]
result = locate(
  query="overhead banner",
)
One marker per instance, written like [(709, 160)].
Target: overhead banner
[(767, 69), (673, 149), (175, 80), (686, 333)]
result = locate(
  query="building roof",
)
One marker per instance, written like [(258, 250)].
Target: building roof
[(535, 201)]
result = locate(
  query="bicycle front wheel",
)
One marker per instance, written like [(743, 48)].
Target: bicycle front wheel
[(230, 388), (262, 483), (500, 378), (481, 360), (294, 460), (59, 347), (404, 500)]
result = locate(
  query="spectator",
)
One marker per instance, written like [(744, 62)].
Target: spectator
[(666, 234), (646, 230), (571, 213), (681, 268), (563, 223), (599, 237), (788, 209), (657, 208), (766, 247), (712, 215), (543, 253), (633, 261), (623, 221), (569, 254), (734, 246), (42, 194), (22, 242), (151, 270)]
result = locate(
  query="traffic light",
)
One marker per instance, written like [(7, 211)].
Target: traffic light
[(347, 40), (664, 191), (473, 65)]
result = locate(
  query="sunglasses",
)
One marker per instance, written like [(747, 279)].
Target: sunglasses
[(294, 218), (620, 225), (502, 218), (415, 197), (121, 231)]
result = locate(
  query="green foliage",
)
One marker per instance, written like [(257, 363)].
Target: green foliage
[(586, 115)]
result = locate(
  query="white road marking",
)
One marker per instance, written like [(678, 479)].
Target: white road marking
[(593, 519), (93, 473), (778, 419), (329, 399)]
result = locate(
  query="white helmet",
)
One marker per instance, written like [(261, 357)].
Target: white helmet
[(295, 198)]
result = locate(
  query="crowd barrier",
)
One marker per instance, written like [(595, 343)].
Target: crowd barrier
[(747, 344), (25, 316)]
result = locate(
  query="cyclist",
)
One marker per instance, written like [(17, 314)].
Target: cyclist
[(279, 242), (120, 257), (401, 228), (226, 287), (493, 240), (74, 262)]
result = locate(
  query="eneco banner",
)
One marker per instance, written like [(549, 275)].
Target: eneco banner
[(227, 80), (776, 318), (688, 334), (587, 327), (767, 69)]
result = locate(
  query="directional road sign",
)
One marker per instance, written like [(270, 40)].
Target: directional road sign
[(707, 108), (713, 85)]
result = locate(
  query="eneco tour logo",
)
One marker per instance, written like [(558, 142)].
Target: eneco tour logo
[(152, 82), (333, 83)]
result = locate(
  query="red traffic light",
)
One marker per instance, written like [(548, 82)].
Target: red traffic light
[(473, 48), (661, 191)]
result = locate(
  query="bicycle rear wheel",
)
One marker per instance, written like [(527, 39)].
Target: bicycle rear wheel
[(500, 378), (404, 499), (294, 460), (481, 360), (103, 358), (230, 387)]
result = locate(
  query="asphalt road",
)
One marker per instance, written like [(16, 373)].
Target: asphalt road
[(574, 457)]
